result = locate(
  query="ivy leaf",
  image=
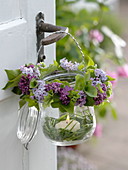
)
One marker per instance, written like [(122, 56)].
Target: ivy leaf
[(12, 74)]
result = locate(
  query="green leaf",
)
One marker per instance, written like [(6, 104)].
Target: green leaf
[(69, 108), (56, 98), (7, 86), (89, 101), (113, 111), (109, 89), (99, 88), (62, 109), (103, 112), (81, 66), (91, 1), (110, 78), (104, 7), (88, 61), (12, 74), (87, 76), (56, 63), (13, 83), (22, 103), (32, 103), (16, 90), (47, 100), (91, 91), (65, 83), (55, 104), (33, 83), (80, 82)]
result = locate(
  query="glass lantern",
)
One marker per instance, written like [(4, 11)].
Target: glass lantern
[(63, 128)]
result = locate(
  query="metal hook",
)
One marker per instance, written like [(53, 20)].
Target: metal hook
[(41, 28)]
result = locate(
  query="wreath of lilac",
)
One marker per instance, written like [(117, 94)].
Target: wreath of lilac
[(92, 85)]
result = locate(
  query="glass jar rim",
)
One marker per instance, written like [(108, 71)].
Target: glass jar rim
[(62, 74)]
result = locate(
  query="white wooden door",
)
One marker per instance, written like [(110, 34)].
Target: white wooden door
[(18, 46)]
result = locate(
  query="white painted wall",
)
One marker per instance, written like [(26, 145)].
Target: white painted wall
[(18, 46)]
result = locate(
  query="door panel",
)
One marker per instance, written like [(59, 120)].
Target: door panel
[(7, 12), (10, 148), (18, 46), (13, 49)]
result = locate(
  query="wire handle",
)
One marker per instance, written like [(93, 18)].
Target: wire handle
[(76, 42)]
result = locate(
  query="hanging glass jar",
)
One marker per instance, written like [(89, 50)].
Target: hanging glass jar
[(64, 128), (27, 125)]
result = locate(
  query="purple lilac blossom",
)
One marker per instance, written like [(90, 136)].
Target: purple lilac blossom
[(82, 100), (24, 84), (64, 95), (100, 98), (63, 92), (55, 86), (68, 65), (39, 92), (104, 87), (101, 74)]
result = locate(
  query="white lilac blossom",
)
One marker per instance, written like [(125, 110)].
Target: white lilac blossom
[(39, 92), (95, 81), (68, 65), (26, 70), (101, 75), (30, 70)]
